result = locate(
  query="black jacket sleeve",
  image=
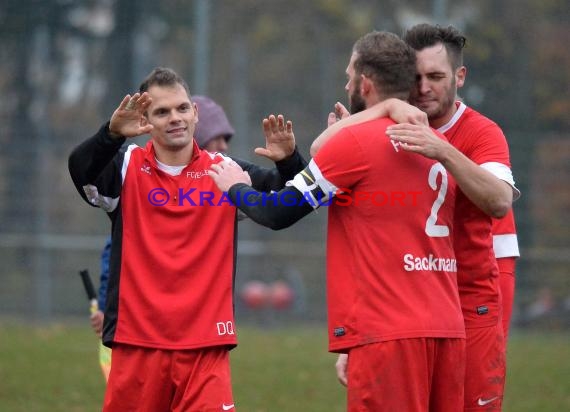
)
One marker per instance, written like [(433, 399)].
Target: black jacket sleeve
[(266, 180), (276, 211), (96, 164)]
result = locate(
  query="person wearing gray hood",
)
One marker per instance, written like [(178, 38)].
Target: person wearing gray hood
[(213, 130)]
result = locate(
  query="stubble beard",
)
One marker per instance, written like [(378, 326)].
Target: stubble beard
[(442, 107), (357, 103)]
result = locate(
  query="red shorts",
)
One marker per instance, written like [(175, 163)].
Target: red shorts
[(485, 368), (412, 375), (507, 285), (155, 380)]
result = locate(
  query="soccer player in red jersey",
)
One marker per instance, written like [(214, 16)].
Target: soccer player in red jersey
[(477, 156), (392, 294), (169, 313), (212, 133)]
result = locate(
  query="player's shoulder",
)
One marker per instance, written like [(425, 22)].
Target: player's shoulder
[(477, 120), (369, 127), (214, 157), (375, 122), (133, 153)]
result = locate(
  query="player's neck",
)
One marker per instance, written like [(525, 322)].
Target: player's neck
[(368, 103), (174, 157), (437, 122)]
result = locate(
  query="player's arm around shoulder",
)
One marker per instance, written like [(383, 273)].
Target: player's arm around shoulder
[(396, 109), (489, 193)]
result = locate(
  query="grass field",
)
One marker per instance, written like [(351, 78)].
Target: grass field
[(54, 368)]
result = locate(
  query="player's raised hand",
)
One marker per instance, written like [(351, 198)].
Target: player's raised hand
[(279, 138), (126, 119), (228, 173), (340, 112)]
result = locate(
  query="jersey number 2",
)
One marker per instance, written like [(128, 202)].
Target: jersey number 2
[(432, 228)]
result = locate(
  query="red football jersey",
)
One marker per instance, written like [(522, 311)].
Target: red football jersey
[(391, 269), (482, 141), (172, 264), (184, 217)]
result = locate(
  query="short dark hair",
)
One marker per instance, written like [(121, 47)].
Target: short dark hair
[(427, 35), (163, 76), (388, 61)]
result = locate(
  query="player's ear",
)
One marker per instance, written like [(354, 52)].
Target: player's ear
[(460, 75), (144, 120), (366, 85), (196, 110)]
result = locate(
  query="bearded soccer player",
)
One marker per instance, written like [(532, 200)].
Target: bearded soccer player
[(169, 314), (477, 156), (391, 277)]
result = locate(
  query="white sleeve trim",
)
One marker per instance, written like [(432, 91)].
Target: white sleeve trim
[(502, 172), (506, 246), (325, 185), (213, 155), (126, 161), (299, 182)]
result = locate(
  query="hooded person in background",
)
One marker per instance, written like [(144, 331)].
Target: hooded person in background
[(213, 131)]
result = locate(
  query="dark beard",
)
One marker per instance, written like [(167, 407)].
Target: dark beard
[(357, 103)]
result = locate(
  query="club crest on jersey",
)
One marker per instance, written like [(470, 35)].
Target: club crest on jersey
[(146, 169), (197, 174)]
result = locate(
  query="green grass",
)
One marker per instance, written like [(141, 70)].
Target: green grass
[(54, 368), (538, 372), (51, 368), (285, 370)]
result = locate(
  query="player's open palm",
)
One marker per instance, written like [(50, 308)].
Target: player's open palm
[(340, 112), (126, 119), (279, 138)]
